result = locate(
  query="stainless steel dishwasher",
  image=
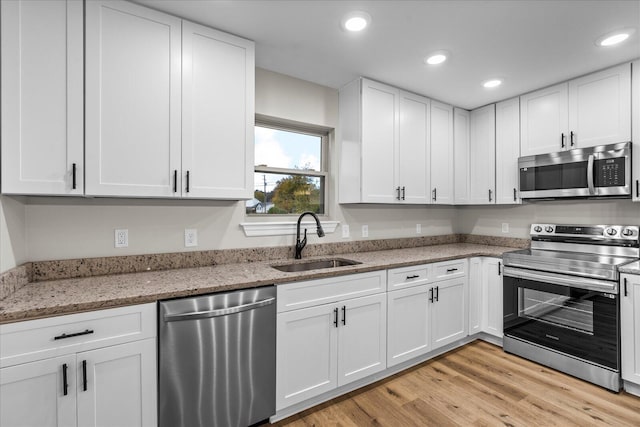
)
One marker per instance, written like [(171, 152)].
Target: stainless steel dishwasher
[(217, 359)]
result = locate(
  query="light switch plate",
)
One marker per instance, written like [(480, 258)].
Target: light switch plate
[(345, 231), (505, 227), (418, 228), (190, 237), (121, 238), (365, 231)]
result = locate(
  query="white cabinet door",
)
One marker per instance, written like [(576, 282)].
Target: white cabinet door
[(121, 385), (507, 152), (380, 133), (307, 349), (482, 156), (449, 315), (635, 131), (362, 338), (600, 108), (441, 153), (42, 97), (217, 114), (630, 327), (461, 155), (544, 121), (42, 384), (492, 296), (412, 166), (133, 62), (409, 328), (475, 295)]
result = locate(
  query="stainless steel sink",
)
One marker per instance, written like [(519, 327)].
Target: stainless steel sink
[(314, 264)]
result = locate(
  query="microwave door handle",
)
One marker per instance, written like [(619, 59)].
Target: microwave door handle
[(592, 189)]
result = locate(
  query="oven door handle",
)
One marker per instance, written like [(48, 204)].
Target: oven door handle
[(563, 280), (592, 188)]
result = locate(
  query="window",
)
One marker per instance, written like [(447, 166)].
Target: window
[(290, 170)]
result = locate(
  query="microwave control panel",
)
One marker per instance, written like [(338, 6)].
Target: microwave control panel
[(610, 172)]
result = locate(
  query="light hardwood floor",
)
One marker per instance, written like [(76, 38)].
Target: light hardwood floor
[(476, 385)]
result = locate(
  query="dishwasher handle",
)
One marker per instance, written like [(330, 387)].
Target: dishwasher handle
[(219, 312)]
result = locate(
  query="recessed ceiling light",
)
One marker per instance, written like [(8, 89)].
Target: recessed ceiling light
[(356, 21), (492, 83), (614, 38), (436, 58)]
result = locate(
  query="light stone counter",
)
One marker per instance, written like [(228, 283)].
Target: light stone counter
[(66, 296), (631, 268)]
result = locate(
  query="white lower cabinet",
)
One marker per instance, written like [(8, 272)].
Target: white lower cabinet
[(409, 329), (110, 381), (449, 316), (630, 328), (329, 345), (485, 296)]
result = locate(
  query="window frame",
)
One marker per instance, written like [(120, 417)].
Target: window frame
[(306, 129)]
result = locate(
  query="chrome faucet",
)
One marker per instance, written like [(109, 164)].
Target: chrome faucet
[(301, 244)]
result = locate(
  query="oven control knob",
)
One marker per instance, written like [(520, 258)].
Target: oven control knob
[(611, 231), (537, 229), (627, 232), (548, 229)]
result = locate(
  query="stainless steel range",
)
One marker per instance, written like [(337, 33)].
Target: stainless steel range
[(561, 306)]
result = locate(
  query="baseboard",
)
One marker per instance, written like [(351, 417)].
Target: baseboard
[(632, 388)]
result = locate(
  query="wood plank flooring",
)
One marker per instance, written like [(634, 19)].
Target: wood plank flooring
[(475, 385)]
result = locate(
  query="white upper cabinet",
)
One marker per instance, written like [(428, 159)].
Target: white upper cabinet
[(217, 113), (384, 144), (482, 155), (441, 153), (133, 62), (635, 131), (169, 106), (544, 121), (507, 151), (591, 110), (413, 161), (461, 155), (42, 100)]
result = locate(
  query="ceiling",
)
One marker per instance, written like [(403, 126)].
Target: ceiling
[(529, 44)]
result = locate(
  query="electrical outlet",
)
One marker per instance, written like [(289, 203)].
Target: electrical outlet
[(345, 231), (121, 238), (365, 231), (505, 227), (418, 228), (190, 237)]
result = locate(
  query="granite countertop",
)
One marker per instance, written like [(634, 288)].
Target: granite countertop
[(56, 297), (631, 268)]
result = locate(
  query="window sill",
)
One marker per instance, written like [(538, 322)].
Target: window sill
[(256, 229)]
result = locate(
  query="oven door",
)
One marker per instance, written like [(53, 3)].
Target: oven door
[(572, 315)]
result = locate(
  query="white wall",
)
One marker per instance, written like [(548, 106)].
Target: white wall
[(63, 228), (12, 233), (487, 220)]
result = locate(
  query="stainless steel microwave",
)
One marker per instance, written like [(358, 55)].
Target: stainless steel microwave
[(601, 171)]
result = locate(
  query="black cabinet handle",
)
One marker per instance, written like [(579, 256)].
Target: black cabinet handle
[(84, 375), (431, 295), (515, 199), (398, 193), (571, 138), (335, 317), (77, 334), (73, 176), (415, 276), (187, 181), (626, 291), (489, 195), (402, 193), (562, 140), (499, 268), (344, 314), (437, 293), (65, 383), (451, 270), (637, 187), (435, 195), (175, 180)]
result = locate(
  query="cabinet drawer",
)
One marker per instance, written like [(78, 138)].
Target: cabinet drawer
[(309, 293), (449, 269), (38, 339), (406, 277)]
